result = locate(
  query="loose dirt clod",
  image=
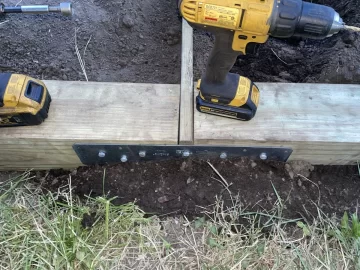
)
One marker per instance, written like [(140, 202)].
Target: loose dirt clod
[(128, 21)]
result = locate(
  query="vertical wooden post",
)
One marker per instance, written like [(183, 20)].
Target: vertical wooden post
[(186, 128)]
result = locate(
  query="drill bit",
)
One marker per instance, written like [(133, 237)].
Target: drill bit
[(351, 28), (63, 8)]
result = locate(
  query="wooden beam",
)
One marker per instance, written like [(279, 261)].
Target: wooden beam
[(186, 135), (92, 112), (319, 121)]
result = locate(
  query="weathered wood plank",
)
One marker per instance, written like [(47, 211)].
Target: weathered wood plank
[(92, 112), (186, 135), (319, 121)]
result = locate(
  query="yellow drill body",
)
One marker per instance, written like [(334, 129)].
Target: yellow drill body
[(238, 26), (248, 19)]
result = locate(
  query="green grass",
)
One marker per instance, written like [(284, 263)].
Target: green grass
[(45, 231)]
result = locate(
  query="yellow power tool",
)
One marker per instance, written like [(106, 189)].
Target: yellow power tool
[(24, 101), (238, 26)]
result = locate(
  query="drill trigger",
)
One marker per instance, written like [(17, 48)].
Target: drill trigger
[(252, 48)]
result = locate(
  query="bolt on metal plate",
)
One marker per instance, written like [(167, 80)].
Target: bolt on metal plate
[(101, 154), (91, 154), (223, 155), (124, 158), (263, 156)]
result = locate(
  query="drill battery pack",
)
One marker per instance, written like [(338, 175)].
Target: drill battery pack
[(24, 101), (240, 101), (240, 113)]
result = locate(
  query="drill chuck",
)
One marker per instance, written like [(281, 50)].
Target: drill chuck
[(63, 8), (337, 26), (304, 19)]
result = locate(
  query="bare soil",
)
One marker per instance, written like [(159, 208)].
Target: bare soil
[(128, 41), (186, 186), (140, 41)]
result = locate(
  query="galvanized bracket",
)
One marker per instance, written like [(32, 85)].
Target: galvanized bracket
[(91, 154)]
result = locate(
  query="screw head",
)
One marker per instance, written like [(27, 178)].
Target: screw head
[(142, 154), (223, 155), (186, 153), (124, 158), (263, 156), (102, 154)]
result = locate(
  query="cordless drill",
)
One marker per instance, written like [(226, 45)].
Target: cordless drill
[(239, 26), (25, 101)]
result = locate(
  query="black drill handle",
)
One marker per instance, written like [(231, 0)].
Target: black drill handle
[(222, 58)]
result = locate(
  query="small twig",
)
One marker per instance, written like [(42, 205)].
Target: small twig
[(222, 183), (169, 214), (279, 57), (277, 195), (291, 242), (225, 183), (81, 61), (4, 22), (18, 3), (303, 177), (343, 255), (238, 265), (87, 44), (226, 187)]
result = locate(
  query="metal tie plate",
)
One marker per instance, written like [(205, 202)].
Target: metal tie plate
[(91, 154)]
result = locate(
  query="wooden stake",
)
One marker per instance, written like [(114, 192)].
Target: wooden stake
[(187, 87)]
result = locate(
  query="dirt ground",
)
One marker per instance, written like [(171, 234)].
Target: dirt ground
[(140, 41), (184, 187), (128, 41)]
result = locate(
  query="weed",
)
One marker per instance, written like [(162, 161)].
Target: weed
[(350, 229)]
